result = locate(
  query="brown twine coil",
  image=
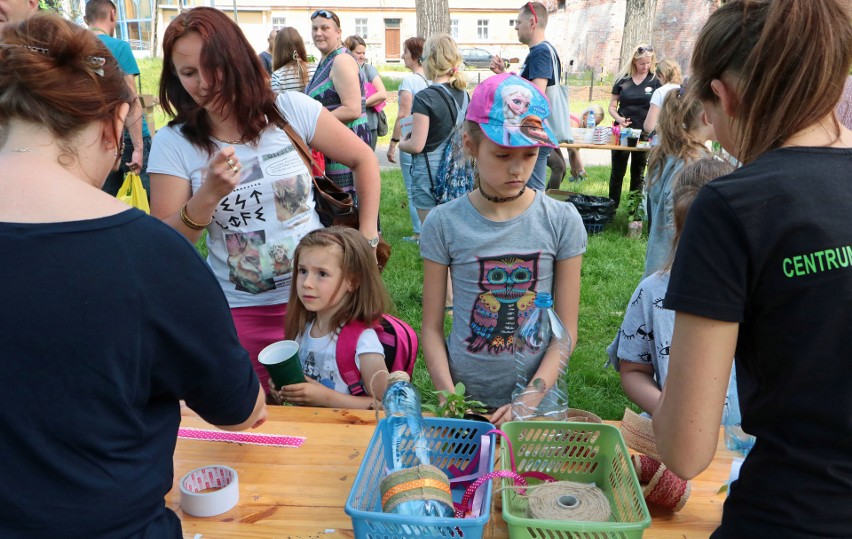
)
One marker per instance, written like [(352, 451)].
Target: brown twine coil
[(638, 433), (567, 500), (582, 416)]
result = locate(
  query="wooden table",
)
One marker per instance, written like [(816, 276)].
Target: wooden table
[(586, 146), (292, 493)]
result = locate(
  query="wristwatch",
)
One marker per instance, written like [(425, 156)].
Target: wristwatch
[(374, 242)]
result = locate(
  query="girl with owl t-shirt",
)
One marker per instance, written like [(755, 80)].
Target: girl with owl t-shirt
[(502, 243)]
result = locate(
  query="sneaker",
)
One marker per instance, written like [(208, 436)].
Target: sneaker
[(412, 239)]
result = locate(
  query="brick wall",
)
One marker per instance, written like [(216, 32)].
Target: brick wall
[(589, 31)]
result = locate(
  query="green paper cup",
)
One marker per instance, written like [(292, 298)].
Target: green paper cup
[(281, 359)]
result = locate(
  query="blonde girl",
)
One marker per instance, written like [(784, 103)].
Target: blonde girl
[(433, 120), (762, 272), (502, 243), (668, 72), (682, 132), (336, 281), (631, 98), (643, 362)]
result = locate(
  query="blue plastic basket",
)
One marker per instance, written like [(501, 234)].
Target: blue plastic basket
[(452, 442)]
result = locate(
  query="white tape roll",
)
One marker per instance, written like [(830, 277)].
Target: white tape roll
[(197, 497)]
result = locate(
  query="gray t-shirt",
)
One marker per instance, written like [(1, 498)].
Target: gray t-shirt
[(497, 267), (646, 332)]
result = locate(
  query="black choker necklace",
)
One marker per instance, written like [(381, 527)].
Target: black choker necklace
[(498, 200)]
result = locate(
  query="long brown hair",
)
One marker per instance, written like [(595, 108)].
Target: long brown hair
[(369, 298), (290, 47), (680, 118), (784, 82), (59, 75), (243, 86), (685, 187)]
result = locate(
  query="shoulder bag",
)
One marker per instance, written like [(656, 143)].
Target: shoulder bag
[(334, 205), (560, 111)]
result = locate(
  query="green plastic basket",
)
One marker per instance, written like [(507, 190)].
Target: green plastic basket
[(580, 452)]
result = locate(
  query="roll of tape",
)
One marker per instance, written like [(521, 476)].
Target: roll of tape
[(209, 491)]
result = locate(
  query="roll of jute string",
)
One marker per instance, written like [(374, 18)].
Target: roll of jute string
[(424, 482), (567, 500)]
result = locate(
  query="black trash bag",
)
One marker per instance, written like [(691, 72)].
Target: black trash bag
[(592, 209)]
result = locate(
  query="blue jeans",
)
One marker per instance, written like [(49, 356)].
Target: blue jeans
[(539, 173), (405, 166)]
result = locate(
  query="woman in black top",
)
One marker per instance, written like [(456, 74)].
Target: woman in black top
[(762, 273), (631, 99)]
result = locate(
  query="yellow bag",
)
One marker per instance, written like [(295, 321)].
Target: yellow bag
[(132, 192)]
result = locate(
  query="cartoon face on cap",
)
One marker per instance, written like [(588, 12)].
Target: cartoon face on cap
[(511, 112)]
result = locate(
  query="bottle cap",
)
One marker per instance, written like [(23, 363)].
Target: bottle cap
[(398, 376), (543, 300)]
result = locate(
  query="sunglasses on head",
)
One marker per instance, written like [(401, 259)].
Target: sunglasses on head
[(643, 50), (532, 12), (322, 13)]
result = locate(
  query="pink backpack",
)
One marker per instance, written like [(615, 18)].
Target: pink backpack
[(398, 340)]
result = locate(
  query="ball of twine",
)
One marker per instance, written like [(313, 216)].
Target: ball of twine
[(567, 500), (582, 416)]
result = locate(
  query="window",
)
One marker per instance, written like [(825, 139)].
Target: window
[(361, 27), (482, 28), (279, 22), (454, 29)]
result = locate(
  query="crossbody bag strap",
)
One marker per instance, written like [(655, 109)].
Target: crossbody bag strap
[(557, 72)]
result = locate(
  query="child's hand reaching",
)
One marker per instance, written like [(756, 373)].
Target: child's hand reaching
[(308, 393), (501, 415)]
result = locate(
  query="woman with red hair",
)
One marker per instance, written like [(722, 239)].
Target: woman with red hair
[(224, 165)]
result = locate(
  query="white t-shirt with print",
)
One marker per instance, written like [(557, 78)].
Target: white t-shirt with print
[(255, 228), (319, 356)]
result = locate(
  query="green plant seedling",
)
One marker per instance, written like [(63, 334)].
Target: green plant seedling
[(456, 404)]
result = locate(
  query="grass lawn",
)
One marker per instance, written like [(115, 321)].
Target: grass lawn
[(612, 267)]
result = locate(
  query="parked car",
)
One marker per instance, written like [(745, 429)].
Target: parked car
[(477, 58)]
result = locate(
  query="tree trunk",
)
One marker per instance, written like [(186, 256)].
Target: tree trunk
[(433, 17), (638, 26)]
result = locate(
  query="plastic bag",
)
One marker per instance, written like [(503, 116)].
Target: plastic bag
[(133, 193)]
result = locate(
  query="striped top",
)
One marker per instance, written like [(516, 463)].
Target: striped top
[(287, 77)]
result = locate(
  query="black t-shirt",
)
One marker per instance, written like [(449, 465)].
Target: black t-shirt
[(770, 247), (430, 102), (106, 324), (635, 100)]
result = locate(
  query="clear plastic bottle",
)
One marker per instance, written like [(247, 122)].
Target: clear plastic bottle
[(542, 330), (590, 119), (736, 439), (590, 127), (407, 429)]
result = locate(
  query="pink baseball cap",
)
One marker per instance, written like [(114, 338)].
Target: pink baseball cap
[(512, 112)]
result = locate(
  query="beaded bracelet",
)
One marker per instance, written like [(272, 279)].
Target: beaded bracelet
[(190, 223)]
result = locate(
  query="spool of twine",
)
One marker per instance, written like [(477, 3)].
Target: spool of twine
[(582, 416), (567, 500), (638, 433), (424, 482)]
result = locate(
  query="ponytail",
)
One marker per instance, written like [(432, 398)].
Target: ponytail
[(782, 84), (680, 118)]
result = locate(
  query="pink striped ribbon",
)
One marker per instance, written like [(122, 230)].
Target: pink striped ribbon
[(240, 437)]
